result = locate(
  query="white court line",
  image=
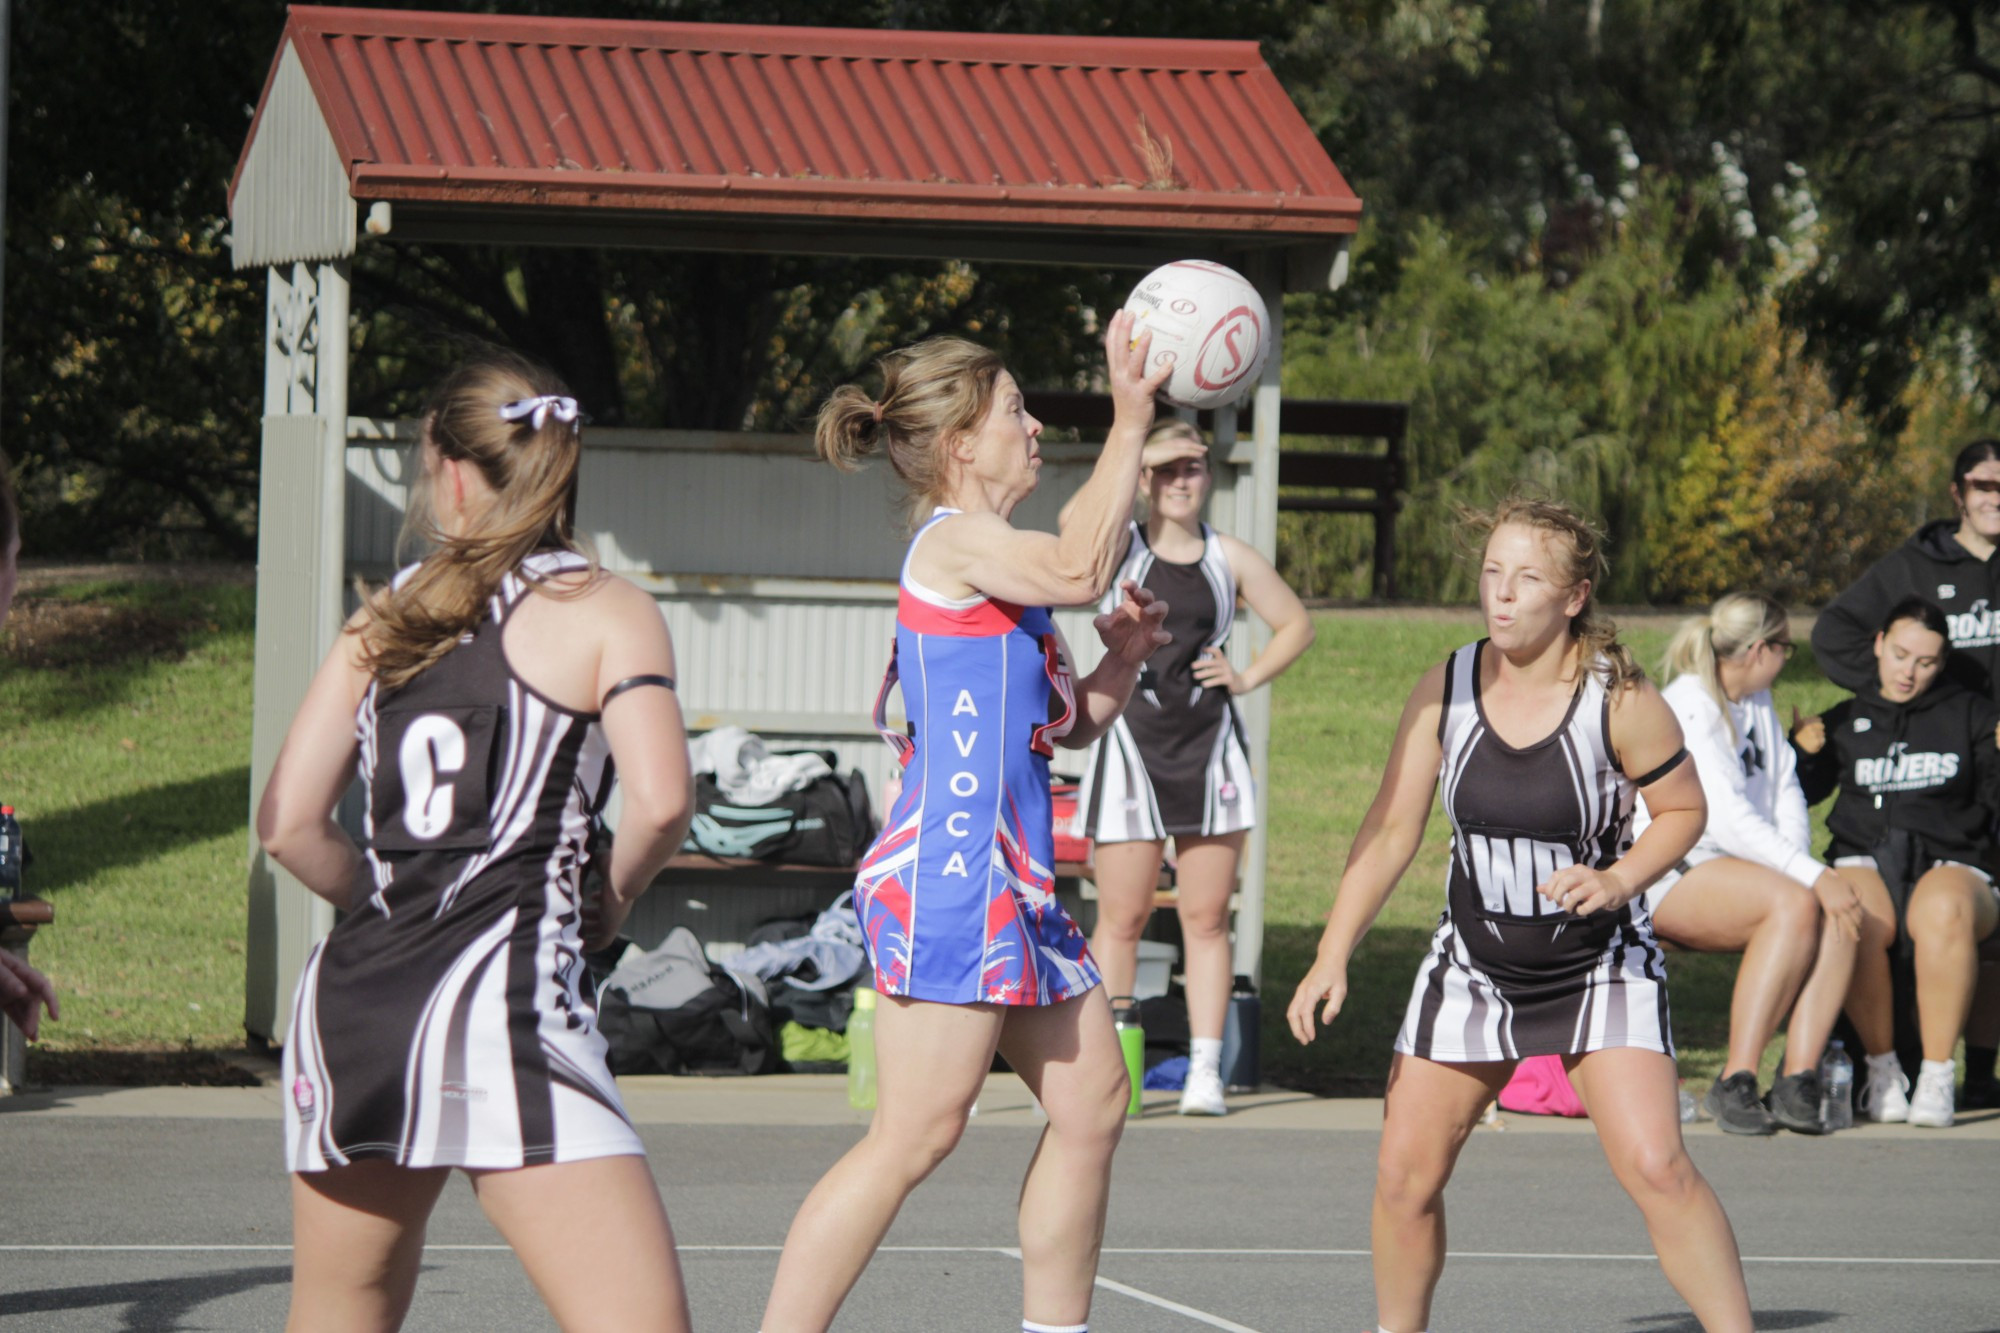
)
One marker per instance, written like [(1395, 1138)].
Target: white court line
[(1553, 1255)]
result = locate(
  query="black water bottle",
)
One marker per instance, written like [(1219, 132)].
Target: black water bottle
[(10, 855), (1240, 1029)]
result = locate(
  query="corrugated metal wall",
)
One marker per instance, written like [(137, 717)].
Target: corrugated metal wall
[(292, 200)]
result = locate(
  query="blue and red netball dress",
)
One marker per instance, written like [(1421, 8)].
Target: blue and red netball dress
[(957, 896)]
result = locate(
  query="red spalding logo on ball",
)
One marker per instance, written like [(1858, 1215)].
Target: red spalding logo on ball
[(1225, 354)]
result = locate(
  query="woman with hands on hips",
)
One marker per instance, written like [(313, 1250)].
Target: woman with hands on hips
[(956, 898), (1540, 735), (1176, 763)]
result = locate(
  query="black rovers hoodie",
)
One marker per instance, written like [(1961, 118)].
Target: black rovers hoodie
[(1923, 771), (1933, 566)]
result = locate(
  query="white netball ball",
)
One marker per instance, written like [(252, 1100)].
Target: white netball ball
[(1209, 323)]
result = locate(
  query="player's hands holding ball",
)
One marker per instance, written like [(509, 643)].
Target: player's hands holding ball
[(1580, 891), (1132, 386), (1132, 631)]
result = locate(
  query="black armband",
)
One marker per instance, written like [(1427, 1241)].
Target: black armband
[(1664, 769), (633, 683)]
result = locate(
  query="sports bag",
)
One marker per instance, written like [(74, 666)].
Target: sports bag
[(828, 822), (666, 1010), (1541, 1086)]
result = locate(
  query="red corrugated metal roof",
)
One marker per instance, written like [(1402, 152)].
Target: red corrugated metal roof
[(832, 124)]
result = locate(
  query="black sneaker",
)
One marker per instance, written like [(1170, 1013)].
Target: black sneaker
[(1794, 1102), (1979, 1094), (1733, 1102)]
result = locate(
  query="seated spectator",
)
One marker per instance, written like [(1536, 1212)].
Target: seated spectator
[(1915, 758), (23, 990), (1750, 884)]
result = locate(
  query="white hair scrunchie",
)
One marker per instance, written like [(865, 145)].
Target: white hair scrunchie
[(539, 410)]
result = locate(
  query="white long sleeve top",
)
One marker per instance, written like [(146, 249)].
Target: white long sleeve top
[(1756, 808)]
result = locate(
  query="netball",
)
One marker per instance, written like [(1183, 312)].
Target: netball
[(1209, 322)]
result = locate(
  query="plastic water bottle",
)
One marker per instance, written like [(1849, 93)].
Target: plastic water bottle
[(1131, 1040), (861, 1050), (1836, 1088), (10, 855), (1241, 1026), (1690, 1108)]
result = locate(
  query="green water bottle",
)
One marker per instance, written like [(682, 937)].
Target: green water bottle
[(1131, 1040), (861, 1051)]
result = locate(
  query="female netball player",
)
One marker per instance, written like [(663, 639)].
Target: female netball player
[(1915, 763), (447, 1021), (1750, 884), (1174, 764), (970, 948), (1540, 735)]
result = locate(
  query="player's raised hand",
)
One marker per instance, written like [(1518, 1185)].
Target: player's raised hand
[(1132, 631), (1132, 385)]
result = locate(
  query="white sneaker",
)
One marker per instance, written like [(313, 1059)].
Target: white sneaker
[(1931, 1104), (1202, 1093), (1886, 1100)]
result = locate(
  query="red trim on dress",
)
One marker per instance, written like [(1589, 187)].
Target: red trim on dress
[(985, 618)]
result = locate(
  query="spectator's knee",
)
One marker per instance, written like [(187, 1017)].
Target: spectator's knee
[(1124, 924), (1796, 913), (1940, 916)]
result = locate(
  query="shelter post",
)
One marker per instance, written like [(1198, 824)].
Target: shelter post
[(301, 556)]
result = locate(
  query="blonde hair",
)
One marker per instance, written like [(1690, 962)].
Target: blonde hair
[(1737, 622), (931, 391), (532, 471), (1579, 546)]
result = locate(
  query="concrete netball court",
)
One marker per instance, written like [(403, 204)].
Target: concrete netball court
[(168, 1209)]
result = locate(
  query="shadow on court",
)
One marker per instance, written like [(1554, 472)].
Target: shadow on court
[(1766, 1319), (150, 1305)]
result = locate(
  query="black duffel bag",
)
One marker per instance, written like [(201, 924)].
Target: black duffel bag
[(828, 822), (668, 1010)]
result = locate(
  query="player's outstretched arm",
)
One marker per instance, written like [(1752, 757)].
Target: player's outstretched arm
[(1390, 834)]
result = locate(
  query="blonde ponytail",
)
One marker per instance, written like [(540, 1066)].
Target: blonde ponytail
[(1735, 624)]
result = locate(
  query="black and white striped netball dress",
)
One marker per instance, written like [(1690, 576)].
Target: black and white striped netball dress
[(1510, 973), (449, 1021), (1175, 761)]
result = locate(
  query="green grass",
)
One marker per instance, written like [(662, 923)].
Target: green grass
[(126, 754), (1333, 716)]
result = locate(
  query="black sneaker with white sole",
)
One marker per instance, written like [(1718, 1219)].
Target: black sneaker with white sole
[(1734, 1103), (1794, 1102)]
